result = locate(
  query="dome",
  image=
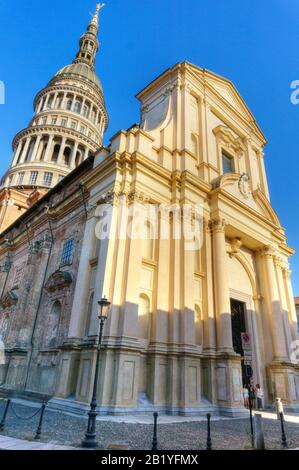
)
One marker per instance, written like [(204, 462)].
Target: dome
[(82, 71)]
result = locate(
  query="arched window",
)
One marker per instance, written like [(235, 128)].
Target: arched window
[(53, 324), (69, 104), (198, 325), (67, 155), (86, 109), (144, 317), (78, 106), (148, 241), (55, 153), (89, 314)]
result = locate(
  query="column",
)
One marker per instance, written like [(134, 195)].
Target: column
[(35, 148), (24, 153), (274, 306), (48, 149), (73, 103), (159, 333), (97, 117), (79, 309), (47, 101), (209, 333), (60, 155), (279, 263), (86, 153), (63, 104), (187, 324), (17, 153), (54, 100), (129, 319), (40, 106), (73, 156), (222, 297)]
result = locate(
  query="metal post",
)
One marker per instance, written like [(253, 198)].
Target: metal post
[(39, 428), (90, 436), (251, 421), (2, 424), (155, 438), (284, 443), (209, 440), (259, 432)]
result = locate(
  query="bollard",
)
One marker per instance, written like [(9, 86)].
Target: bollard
[(251, 422), (209, 440), (2, 424), (259, 432), (39, 428), (284, 443), (155, 439), (279, 407)]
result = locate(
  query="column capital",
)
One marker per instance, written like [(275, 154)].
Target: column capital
[(268, 251), (218, 225)]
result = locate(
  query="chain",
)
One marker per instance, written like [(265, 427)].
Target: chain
[(25, 418)]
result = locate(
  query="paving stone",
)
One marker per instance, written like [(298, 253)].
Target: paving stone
[(62, 429)]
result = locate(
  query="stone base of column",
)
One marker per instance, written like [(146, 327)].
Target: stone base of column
[(284, 383), (67, 373), (228, 385)]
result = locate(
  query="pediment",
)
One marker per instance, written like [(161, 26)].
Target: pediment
[(58, 280), (265, 207), (9, 299), (239, 187), (228, 92)]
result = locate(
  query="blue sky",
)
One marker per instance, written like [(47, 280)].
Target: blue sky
[(253, 43)]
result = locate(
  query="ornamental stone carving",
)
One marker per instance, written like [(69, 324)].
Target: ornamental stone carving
[(9, 299), (244, 185), (58, 281)]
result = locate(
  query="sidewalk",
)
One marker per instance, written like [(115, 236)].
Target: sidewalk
[(9, 443)]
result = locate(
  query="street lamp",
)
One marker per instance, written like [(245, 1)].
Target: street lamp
[(90, 435)]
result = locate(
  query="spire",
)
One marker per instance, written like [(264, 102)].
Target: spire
[(89, 44), (94, 24)]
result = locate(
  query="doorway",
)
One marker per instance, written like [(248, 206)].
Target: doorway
[(238, 310)]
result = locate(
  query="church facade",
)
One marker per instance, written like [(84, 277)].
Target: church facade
[(189, 322)]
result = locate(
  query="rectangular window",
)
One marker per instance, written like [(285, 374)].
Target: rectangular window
[(63, 122), (74, 125), (33, 177), (44, 120), (48, 178), (21, 178), (82, 130), (67, 253), (54, 120), (9, 181), (227, 164)]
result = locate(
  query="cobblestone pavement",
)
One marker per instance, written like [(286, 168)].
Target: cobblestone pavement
[(63, 429)]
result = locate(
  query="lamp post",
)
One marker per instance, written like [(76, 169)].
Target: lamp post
[(90, 435)]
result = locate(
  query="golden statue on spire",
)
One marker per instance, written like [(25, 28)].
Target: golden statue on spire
[(100, 6)]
